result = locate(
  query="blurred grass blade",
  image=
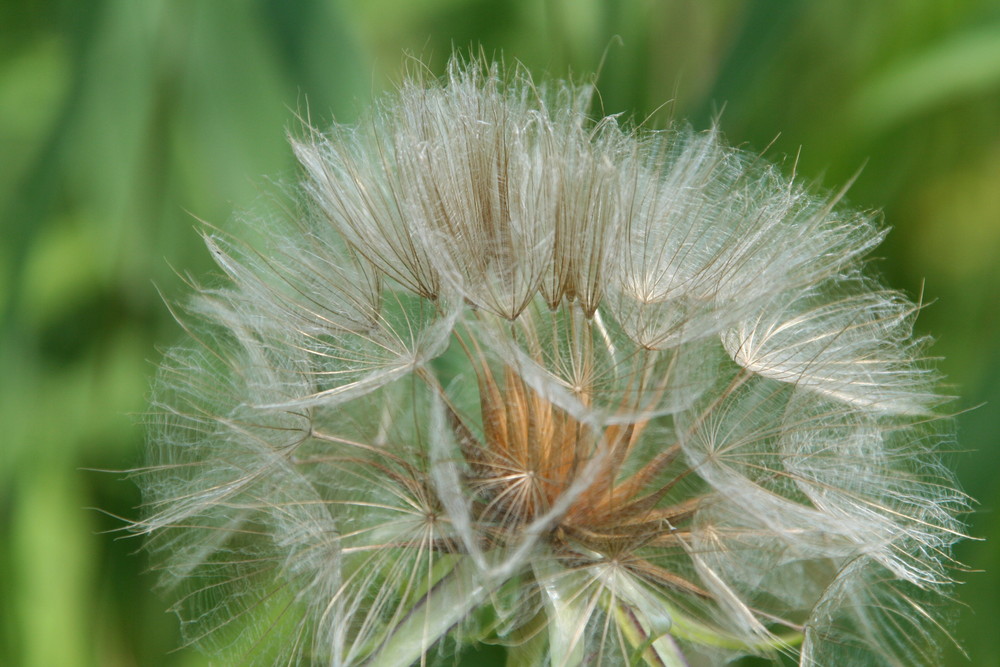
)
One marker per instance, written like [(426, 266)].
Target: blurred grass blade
[(963, 66)]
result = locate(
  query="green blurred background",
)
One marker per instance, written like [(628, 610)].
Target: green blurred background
[(121, 121)]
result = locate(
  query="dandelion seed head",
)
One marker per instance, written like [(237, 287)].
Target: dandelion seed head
[(512, 373)]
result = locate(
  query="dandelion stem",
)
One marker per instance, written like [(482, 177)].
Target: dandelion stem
[(433, 616)]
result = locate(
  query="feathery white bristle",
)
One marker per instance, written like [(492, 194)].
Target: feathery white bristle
[(513, 374)]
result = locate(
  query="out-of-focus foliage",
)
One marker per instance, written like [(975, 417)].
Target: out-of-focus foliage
[(123, 123)]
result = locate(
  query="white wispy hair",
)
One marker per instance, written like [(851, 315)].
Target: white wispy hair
[(511, 374)]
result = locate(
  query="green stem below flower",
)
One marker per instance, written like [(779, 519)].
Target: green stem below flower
[(442, 608)]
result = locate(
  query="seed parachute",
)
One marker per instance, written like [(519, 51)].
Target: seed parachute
[(507, 373)]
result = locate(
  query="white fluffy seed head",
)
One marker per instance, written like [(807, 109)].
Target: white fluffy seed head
[(516, 374)]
